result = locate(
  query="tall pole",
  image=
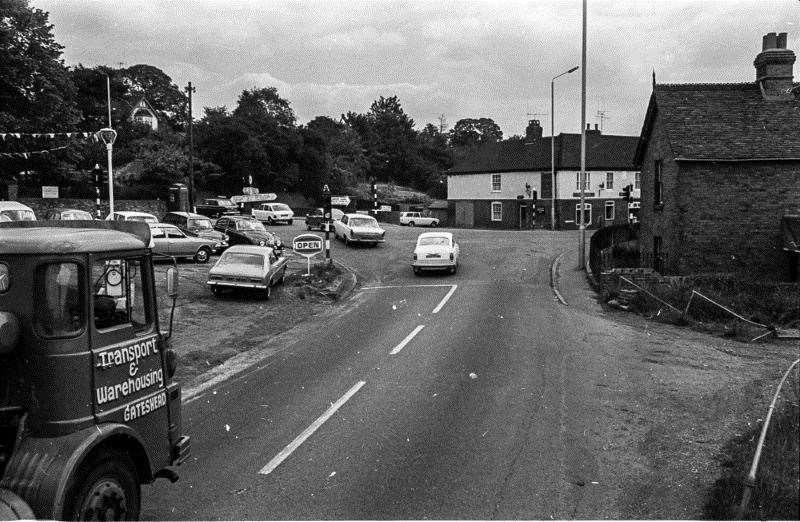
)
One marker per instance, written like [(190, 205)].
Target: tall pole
[(110, 181), (108, 90), (552, 156), (582, 177), (190, 90)]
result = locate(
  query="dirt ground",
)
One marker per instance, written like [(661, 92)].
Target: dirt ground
[(210, 330)]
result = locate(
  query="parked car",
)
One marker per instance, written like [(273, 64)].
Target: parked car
[(16, 211), (216, 207), (416, 219), (272, 213), (197, 225), (245, 230), (169, 240), (435, 251), (358, 228), (249, 267), (68, 214), (130, 215), (316, 219)]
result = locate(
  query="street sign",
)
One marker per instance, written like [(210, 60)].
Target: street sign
[(307, 245), (341, 201), (49, 192), (269, 196), (250, 191)]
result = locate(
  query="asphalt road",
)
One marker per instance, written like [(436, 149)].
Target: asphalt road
[(441, 396)]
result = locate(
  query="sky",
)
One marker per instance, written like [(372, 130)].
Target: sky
[(459, 59)]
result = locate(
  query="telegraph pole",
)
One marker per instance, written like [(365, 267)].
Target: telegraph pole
[(190, 90), (582, 177)]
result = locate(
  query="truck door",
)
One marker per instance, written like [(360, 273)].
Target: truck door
[(130, 381)]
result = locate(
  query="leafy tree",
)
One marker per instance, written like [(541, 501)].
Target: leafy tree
[(166, 98), (471, 131)]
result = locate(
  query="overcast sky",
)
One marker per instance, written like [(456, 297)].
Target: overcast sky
[(461, 59)]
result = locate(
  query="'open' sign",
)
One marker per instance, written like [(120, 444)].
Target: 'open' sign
[(307, 244)]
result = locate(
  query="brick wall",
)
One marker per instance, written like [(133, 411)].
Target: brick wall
[(40, 206), (718, 217)]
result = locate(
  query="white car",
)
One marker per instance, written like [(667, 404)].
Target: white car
[(271, 213), (249, 267), (436, 251), (358, 228), (130, 215), (16, 211), (416, 219)]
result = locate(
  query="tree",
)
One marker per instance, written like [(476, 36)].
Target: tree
[(35, 89), (259, 105), (470, 131), (166, 98)]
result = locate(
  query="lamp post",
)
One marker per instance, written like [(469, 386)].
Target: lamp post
[(553, 148), (582, 177), (108, 136)]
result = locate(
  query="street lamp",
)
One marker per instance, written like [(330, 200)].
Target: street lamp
[(553, 148), (108, 136)]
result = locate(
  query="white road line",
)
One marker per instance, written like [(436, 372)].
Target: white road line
[(444, 299), (289, 449), (402, 286), (407, 340)]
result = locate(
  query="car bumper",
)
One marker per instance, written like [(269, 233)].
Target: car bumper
[(366, 240), (236, 284), (433, 264)]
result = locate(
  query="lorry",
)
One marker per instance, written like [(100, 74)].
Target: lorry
[(89, 409)]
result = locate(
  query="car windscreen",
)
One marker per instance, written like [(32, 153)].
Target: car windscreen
[(19, 215), (227, 203), (363, 222), (281, 207), (76, 215), (433, 240), (241, 258), (200, 224), (146, 219), (250, 226)]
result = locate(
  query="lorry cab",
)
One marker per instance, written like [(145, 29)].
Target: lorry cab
[(88, 407)]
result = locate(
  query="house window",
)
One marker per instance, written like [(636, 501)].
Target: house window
[(609, 211), (658, 196), (495, 182), (609, 180), (637, 181), (497, 211), (587, 214), (578, 181)]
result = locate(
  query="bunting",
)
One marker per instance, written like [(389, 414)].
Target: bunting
[(49, 135), (28, 154)]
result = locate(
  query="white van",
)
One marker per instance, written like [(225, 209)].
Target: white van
[(16, 211)]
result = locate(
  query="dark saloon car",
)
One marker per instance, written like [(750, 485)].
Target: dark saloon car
[(196, 225), (315, 219), (68, 214), (246, 230)]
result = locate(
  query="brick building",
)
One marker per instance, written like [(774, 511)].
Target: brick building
[(490, 186), (720, 168)]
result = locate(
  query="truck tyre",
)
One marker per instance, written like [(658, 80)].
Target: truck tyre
[(104, 488), (14, 508), (202, 255)]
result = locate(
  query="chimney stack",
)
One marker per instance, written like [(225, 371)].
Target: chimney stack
[(533, 131), (774, 67)]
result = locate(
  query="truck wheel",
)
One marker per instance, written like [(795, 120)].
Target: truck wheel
[(202, 255), (14, 508), (104, 488)]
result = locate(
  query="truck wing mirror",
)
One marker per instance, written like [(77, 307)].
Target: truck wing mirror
[(9, 332), (172, 282)]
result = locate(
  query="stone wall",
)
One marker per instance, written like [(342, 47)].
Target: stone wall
[(40, 205)]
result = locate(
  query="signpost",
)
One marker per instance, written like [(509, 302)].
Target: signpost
[(340, 201), (253, 198), (326, 199), (307, 245), (250, 191)]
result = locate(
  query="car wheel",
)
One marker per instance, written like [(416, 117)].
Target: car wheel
[(434, 224), (216, 291), (416, 270), (290, 221), (411, 223), (346, 241), (202, 255), (268, 291), (453, 269), (106, 487), (270, 221)]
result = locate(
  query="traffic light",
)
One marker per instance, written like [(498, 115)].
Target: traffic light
[(627, 193), (534, 196)]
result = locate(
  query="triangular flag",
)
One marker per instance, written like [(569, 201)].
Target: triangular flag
[(16, 135), (85, 134), (3, 135), (69, 134), (51, 135), (36, 135), (25, 155)]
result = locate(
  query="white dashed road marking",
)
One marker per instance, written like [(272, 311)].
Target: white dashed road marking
[(444, 299), (407, 340)]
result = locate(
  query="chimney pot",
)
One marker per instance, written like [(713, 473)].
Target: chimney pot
[(780, 41), (770, 41), (588, 126), (596, 127)]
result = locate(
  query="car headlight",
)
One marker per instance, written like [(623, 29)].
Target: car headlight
[(262, 243), (415, 256), (226, 237)]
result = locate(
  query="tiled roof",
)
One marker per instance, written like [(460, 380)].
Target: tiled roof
[(724, 121), (602, 152)]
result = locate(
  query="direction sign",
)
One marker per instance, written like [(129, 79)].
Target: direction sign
[(342, 201), (307, 245), (251, 191), (269, 196)]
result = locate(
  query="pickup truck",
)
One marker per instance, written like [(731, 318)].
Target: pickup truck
[(416, 219), (216, 207)]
